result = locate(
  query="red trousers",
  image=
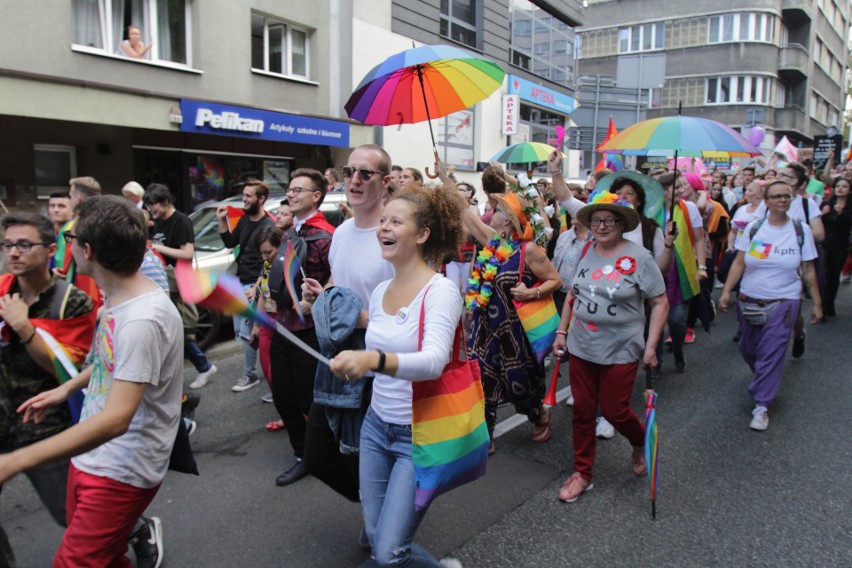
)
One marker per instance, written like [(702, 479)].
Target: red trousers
[(611, 386), (101, 514)]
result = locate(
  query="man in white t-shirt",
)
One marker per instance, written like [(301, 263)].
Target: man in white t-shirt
[(357, 264), (130, 415), (806, 210)]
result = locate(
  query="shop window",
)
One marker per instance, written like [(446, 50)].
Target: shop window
[(461, 21), (455, 139), (54, 166), (163, 28), (278, 47)]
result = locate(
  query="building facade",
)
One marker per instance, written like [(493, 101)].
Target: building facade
[(780, 64), (227, 91)]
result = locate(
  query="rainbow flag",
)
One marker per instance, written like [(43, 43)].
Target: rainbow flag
[(64, 369), (563, 219), (234, 216), (449, 437), (292, 267), (220, 292), (687, 266)]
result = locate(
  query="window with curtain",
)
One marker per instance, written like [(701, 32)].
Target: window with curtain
[(164, 28), (279, 47)]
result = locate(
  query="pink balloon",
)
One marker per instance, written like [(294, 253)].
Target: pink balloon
[(756, 135)]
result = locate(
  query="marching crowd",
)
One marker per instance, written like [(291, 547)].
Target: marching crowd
[(627, 267)]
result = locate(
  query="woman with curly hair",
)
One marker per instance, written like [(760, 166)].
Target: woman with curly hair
[(507, 269), (418, 228)]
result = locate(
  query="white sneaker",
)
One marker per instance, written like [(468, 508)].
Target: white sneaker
[(450, 563), (761, 418), (202, 378), (191, 426), (570, 400), (719, 284), (604, 429)]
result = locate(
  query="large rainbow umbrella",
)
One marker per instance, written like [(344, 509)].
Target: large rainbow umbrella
[(680, 135), (423, 83), (524, 153)]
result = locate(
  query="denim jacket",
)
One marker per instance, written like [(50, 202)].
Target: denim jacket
[(335, 313)]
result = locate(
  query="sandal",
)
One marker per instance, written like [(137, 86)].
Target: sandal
[(541, 432), (492, 449), (274, 425)]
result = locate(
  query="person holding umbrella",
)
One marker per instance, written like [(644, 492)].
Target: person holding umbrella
[(774, 256), (611, 284)]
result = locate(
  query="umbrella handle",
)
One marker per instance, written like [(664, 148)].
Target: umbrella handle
[(429, 174)]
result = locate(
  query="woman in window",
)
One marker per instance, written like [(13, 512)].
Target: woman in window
[(133, 46), (418, 228)]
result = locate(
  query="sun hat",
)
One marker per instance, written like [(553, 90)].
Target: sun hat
[(514, 209), (652, 188), (605, 201)]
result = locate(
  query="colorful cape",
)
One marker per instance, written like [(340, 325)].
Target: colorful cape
[(687, 266)]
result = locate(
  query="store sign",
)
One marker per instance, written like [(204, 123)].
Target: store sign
[(541, 96), (210, 118), (511, 109)]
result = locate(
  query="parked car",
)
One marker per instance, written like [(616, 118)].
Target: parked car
[(211, 254)]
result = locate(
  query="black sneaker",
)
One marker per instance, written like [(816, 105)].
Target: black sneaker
[(147, 543), (799, 346), (680, 361)]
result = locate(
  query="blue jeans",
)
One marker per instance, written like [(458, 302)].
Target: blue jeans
[(242, 331), (387, 495), (192, 352)]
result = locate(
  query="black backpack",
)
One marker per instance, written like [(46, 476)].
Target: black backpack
[(277, 288)]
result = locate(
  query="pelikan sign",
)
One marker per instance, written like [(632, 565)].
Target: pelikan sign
[(225, 120)]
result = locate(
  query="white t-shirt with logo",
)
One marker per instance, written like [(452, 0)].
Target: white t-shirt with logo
[(139, 341), (772, 260)]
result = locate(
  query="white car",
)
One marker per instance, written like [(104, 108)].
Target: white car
[(211, 254)]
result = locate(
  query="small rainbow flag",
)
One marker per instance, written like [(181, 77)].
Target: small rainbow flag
[(234, 216), (292, 267), (64, 369)]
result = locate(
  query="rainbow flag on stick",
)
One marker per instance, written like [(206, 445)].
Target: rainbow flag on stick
[(224, 293), (64, 369), (292, 268)]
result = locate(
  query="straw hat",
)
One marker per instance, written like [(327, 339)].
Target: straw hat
[(606, 201), (511, 204)]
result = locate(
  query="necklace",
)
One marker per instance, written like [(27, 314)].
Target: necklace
[(480, 286)]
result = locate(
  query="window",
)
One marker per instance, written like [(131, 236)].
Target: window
[(738, 90), (461, 21), (455, 139), (742, 27), (539, 45), (277, 47), (106, 25), (54, 166), (643, 37)]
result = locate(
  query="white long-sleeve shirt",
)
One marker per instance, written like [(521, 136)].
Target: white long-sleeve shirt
[(397, 333)]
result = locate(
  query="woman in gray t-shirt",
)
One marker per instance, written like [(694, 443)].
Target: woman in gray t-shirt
[(605, 342)]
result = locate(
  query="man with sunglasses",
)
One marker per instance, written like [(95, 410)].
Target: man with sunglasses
[(249, 266), (293, 370), (32, 298), (356, 263)]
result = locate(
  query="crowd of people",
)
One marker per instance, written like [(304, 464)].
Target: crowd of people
[(630, 261)]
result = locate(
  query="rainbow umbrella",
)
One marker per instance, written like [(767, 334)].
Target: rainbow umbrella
[(651, 438), (524, 153), (680, 135), (423, 83)]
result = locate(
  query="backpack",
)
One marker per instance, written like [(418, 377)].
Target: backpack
[(277, 288)]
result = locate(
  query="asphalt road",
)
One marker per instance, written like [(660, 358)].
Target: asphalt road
[(728, 496)]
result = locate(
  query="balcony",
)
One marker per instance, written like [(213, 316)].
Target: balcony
[(793, 62), (796, 11), (790, 119)]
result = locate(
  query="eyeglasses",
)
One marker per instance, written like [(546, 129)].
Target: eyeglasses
[(784, 175), (363, 173), (22, 246), (780, 197), (293, 189), (69, 237), (608, 222)]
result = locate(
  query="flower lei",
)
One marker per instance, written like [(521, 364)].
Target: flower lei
[(526, 190), (480, 285)]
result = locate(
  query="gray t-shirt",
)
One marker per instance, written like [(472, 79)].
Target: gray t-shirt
[(140, 341), (608, 323)]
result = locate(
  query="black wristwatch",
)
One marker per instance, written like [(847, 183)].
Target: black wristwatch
[(382, 358)]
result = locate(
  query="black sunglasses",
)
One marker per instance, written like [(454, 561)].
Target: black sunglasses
[(363, 173)]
